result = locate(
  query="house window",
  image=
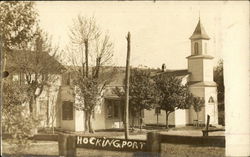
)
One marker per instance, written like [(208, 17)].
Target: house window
[(196, 48), (67, 110), (112, 108), (157, 110)]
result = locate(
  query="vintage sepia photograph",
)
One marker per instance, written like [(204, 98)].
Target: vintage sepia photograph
[(124, 78)]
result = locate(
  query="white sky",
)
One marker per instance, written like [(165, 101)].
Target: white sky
[(159, 31)]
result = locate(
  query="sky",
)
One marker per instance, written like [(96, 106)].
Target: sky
[(160, 31)]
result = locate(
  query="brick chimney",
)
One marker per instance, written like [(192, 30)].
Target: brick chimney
[(163, 67)]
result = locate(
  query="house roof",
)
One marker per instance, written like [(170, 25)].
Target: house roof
[(119, 80), (16, 60), (179, 72), (199, 32)]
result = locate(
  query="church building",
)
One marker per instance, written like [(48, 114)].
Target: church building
[(199, 78), (109, 114)]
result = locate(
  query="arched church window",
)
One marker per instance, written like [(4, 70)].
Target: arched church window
[(196, 48), (211, 99)]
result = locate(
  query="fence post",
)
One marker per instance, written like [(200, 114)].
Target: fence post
[(71, 146), (62, 144), (154, 143), (207, 126), (66, 145)]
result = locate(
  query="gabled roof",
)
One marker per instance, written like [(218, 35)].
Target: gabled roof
[(199, 32), (16, 60)]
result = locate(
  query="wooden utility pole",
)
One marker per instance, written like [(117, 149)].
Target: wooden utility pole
[(127, 89)]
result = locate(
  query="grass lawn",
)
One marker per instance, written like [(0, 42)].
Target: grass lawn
[(168, 150)]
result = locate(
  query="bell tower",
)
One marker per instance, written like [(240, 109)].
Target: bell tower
[(201, 82)]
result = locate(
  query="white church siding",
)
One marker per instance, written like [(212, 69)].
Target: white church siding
[(211, 107), (180, 117), (195, 66), (208, 70), (198, 92)]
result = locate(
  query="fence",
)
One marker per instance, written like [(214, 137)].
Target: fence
[(152, 146)]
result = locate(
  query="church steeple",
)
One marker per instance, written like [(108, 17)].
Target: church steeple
[(199, 32), (199, 40)]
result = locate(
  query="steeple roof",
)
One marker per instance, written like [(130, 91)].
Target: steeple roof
[(199, 32)]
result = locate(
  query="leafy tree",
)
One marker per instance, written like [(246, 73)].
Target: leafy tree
[(14, 118), (142, 91), (98, 51), (219, 79), (36, 65), (197, 104), (17, 20), (172, 94)]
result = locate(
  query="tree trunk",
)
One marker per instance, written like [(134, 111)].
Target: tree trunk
[(53, 130), (133, 121), (140, 122), (91, 130), (167, 114), (86, 57), (157, 117), (86, 125), (98, 62), (197, 114), (47, 112), (31, 105)]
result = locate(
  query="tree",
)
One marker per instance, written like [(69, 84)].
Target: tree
[(36, 65), (172, 94), (84, 31), (89, 82), (53, 112), (219, 79), (142, 93), (17, 20), (14, 118), (197, 104)]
